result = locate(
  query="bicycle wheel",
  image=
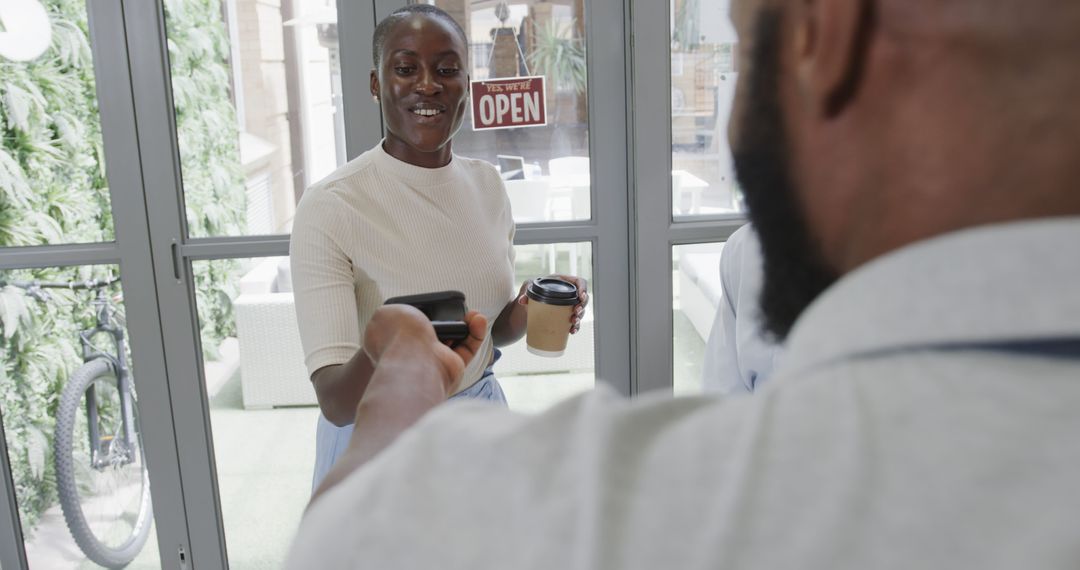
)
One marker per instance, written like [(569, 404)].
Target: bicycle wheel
[(105, 496)]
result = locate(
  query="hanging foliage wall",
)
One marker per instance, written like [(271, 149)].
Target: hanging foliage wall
[(53, 190)]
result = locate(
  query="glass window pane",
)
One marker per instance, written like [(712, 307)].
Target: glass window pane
[(262, 405), (52, 165), (534, 383), (72, 428), (703, 74), (547, 168), (257, 91), (696, 294)]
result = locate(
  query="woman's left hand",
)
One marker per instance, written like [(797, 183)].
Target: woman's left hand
[(579, 309)]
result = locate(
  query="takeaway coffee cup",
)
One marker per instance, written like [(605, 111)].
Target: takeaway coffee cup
[(551, 303)]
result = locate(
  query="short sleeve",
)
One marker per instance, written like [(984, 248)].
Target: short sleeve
[(324, 288)]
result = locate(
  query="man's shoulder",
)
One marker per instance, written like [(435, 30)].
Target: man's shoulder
[(810, 447), (596, 456)]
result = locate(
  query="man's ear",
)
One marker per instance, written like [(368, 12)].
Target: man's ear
[(830, 42), (374, 83)]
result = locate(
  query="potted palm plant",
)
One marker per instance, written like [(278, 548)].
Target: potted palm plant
[(559, 56)]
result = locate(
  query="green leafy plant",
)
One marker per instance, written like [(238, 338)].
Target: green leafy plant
[(559, 56), (208, 136), (53, 190), (686, 35)]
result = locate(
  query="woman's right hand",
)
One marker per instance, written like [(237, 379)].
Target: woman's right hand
[(579, 309)]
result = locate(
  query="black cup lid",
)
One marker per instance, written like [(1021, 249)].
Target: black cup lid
[(553, 291)]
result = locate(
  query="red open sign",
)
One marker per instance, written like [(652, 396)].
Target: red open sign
[(508, 103)]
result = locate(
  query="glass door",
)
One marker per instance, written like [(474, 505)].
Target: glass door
[(704, 71), (249, 104), (522, 39), (256, 102), (569, 200), (87, 451), (688, 199)]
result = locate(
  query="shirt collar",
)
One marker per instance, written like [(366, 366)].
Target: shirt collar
[(1014, 282), (411, 174)]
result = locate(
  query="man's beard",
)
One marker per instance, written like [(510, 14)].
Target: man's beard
[(794, 270)]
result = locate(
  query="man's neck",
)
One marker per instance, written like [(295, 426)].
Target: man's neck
[(966, 165)]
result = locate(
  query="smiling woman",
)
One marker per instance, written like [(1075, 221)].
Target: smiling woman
[(420, 79), (406, 217)]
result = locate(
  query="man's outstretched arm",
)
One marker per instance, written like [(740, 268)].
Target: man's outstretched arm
[(414, 372)]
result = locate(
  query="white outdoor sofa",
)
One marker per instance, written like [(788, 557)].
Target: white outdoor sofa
[(272, 371)]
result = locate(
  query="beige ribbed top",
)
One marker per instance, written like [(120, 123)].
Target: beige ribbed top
[(377, 228)]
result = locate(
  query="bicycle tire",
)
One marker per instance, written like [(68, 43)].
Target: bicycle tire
[(71, 405)]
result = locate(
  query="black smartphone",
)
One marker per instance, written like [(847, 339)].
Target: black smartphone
[(445, 310)]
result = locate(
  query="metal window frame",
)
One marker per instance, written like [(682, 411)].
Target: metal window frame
[(363, 122), (152, 89), (12, 551), (110, 47), (656, 231)]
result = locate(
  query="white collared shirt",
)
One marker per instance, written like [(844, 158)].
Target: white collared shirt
[(739, 356), (926, 415)]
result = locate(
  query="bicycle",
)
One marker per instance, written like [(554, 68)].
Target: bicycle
[(101, 475)]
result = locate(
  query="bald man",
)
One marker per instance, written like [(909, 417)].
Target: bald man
[(912, 168)]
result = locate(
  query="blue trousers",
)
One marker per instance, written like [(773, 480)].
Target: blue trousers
[(332, 441)]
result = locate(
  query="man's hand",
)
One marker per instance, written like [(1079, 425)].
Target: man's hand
[(404, 332), (414, 372)]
